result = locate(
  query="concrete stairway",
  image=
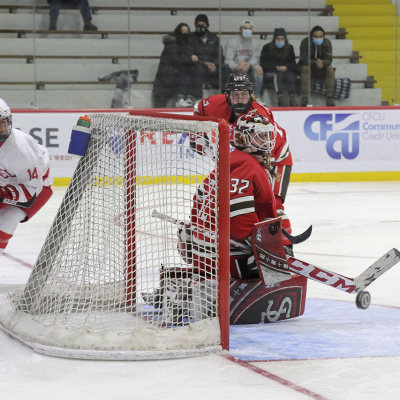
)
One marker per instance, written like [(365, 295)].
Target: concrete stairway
[(371, 25)]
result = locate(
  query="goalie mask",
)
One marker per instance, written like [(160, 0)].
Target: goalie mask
[(239, 83), (255, 134), (5, 121)]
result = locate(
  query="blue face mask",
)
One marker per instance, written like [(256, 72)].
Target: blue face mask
[(279, 45), (318, 42), (246, 33)]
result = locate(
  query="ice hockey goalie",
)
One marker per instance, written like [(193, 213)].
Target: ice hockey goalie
[(262, 288)]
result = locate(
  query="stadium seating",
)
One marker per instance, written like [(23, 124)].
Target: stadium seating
[(50, 69)]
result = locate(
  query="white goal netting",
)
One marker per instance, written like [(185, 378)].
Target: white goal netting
[(95, 290)]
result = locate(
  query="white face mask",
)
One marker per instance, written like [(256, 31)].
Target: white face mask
[(246, 33)]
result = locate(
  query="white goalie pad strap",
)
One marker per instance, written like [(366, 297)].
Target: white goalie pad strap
[(269, 252)]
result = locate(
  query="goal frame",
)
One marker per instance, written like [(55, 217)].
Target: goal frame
[(224, 215), (25, 304)]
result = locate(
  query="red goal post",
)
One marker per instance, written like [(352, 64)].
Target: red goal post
[(86, 296), (223, 168)]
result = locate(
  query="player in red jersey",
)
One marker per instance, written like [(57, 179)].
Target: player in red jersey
[(238, 100), (251, 201), (251, 198)]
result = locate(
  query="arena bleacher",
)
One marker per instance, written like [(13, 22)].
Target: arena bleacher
[(60, 69)]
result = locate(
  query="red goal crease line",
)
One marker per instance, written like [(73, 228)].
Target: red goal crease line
[(19, 261), (274, 377)]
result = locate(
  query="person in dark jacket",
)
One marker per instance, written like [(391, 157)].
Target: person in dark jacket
[(175, 71), (206, 46), (277, 57), (320, 63)]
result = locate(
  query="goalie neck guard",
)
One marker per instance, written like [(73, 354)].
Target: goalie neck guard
[(5, 114), (239, 82), (254, 133)]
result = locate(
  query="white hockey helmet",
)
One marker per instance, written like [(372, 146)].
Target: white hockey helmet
[(5, 113), (253, 130)]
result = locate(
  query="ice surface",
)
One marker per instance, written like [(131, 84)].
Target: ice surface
[(333, 351)]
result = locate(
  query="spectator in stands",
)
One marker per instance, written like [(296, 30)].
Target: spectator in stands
[(242, 55), (175, 71), (279, 63), (205, 45), (320, 61), (83, 5)]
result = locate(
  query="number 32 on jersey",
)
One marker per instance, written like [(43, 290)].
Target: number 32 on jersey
[(239, 185)]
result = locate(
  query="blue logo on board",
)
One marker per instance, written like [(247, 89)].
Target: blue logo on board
[(341, 132)]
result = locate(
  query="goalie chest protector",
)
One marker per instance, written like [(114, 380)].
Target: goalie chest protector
[(251, 302)]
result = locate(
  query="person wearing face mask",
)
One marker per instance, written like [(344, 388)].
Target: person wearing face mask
[(242, 55), (175, 71), (320, 63), (277, 58), (205, 45)]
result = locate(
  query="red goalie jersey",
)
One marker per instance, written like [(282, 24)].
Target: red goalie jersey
[(251, 201)]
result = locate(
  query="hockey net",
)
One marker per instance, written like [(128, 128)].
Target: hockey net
[(92, 292)]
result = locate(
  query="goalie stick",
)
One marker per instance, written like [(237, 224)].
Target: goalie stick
[(318, 274), (293, 239), (299, 238), (341, 282)]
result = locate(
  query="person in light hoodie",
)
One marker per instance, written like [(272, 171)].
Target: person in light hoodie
[(242, 55)]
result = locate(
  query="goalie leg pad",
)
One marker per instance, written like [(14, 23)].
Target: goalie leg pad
[(204, 294), (252, 303), (269, 251), (183, 296), (175, 295), (243, 267)]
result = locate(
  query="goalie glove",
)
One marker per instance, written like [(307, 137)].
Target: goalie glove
[(185, 244), (200, 143)]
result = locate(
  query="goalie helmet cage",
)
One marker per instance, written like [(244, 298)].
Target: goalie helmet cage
[(101, 260)]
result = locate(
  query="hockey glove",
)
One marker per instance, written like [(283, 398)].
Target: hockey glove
[(8, 192)]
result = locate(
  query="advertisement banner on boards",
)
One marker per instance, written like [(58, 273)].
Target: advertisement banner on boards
[(342, 140), (321, 141)]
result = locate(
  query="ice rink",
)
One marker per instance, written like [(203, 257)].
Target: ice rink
[(334, 351)]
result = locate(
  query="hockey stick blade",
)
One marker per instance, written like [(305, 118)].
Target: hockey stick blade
[(299, 238), (341, 282), (377, 269)]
